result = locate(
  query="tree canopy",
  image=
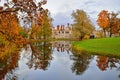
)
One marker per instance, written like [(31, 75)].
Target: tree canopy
[(20, 20), (82, 25), (109, 22)]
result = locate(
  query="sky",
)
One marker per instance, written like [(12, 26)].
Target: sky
[(61, 10)]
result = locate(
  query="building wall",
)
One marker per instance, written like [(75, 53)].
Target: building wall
[(62, 32)]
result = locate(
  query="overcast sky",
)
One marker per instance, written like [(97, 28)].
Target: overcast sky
[(61, 9)]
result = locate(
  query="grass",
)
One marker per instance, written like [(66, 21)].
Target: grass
[(103, 46)]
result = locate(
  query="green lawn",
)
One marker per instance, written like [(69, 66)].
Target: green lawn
[(104, 46)]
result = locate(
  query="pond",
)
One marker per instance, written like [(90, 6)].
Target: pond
[(58, 61)]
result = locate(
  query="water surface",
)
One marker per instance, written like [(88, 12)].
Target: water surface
[(58, 61)]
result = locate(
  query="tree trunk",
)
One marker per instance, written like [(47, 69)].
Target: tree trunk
[(110, 31), (104, 32), (80, 38), (44, 37)]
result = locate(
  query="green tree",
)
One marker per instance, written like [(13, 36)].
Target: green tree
[(46, 25), (82, 25), (41, 28)]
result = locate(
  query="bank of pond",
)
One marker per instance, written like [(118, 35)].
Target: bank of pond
[(102, 46)]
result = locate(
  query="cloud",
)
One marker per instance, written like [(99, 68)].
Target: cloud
[(2, 2), (61, 10), (62, 19), (89, 2)]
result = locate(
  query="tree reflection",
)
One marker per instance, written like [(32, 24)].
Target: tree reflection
[(118, 70), (81, 62), (41, 55), (7, 65), (104, 63)]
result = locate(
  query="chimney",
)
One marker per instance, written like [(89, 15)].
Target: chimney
[(63, 27), (57, 27), (68, 24)]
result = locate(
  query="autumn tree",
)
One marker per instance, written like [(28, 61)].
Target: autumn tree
[(9, 25), (82, 25), (10, 39), (25, 11), (108, 22), (117, 29), (12, 14), (103, 20), (114, 26), (42, 27)]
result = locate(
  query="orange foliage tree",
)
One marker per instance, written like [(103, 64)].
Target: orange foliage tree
[(103, 20), (117, 27), (12, 14), (10, 39), (30, 8), (109, 22), (114, 23), (9, 25)]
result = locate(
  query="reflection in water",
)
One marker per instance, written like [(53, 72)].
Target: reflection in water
[(81, 62), (58, 61), (41, 55), (104, 63), (62, 46), (118, 70), (7, 67)]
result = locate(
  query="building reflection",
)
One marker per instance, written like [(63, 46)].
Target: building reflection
[(62, 46)]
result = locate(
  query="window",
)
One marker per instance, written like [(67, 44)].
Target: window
[(67, 31)]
